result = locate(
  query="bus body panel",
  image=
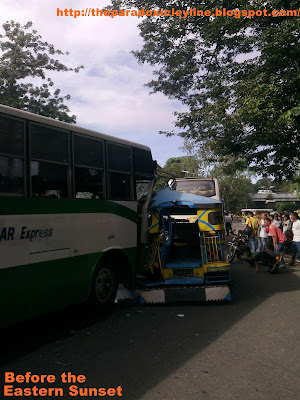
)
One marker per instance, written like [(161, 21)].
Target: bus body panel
[(50, 248), (31, 238), (30, 290), (48, 260)]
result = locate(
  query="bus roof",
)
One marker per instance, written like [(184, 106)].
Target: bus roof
[(257, 210), (195, 178), (64, 125)]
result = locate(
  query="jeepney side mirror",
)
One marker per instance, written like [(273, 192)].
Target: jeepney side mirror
[(172, 184)]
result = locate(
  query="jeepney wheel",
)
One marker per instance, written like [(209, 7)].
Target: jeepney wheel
[(230, 255), (105, 286)]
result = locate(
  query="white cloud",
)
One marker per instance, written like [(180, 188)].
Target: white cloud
[(108, 95)]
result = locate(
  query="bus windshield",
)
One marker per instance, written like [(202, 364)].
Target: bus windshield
[(202, 187)]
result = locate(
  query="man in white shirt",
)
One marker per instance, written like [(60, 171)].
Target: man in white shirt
[(262, 234), (296, 232), (276, 221)]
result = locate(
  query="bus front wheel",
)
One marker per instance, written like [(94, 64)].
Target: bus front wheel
[(105, 286)]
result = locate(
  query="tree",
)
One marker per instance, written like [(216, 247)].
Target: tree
[(24, 56), (201, 154), (235, 187), (239, 78), (286, 206), (176, 167), (267, 184), (286, 186), (236, 192), (182, 166)]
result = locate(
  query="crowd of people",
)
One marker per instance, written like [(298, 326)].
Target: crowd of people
[(271, 236)]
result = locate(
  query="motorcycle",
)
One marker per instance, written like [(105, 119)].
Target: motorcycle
[(237, 246)]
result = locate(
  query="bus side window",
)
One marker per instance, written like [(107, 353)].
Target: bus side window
[(11, 157), (11, 176), (88, 183), (120, 186), (89, 167), (49, 180), (49, 162), (120, 172)]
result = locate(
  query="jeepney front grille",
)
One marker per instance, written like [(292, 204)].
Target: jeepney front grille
[(183, 272), (213, 234), (212, 249)]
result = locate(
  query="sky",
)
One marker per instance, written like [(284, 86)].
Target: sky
[(108, 95)]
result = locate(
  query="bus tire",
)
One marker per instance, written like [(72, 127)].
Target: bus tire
[(104, 286)]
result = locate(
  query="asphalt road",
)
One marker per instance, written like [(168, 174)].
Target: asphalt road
[(244, 351)]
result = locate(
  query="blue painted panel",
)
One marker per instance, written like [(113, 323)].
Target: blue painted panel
[(189, 264), (169, 198), (184, 281)]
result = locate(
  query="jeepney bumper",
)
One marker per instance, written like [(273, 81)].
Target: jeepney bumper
[(166, 294)]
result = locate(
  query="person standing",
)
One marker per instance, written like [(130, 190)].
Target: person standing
[(276, 222), (289, 222), (262, 234), (253, 223), (296, 232), (286, 224), (228, 221)]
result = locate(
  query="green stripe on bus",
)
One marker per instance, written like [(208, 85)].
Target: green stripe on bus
[(10, 206), (34, 289)]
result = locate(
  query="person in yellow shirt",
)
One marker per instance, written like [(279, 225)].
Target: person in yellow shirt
[(253, 223)]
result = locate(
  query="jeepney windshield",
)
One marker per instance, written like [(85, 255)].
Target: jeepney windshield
[(200, 187)]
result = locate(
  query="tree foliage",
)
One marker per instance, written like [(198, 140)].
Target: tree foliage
[(239, 78), (175, 167), (235, 187), (25, 56), (181, 166), (286, 206), (285, 187), (236, 192)]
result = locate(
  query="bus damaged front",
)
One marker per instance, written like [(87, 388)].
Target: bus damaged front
[(186, 260)]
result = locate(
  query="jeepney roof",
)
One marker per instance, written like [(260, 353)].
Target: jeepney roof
[(170, 198)]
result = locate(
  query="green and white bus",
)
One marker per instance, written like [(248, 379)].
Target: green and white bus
[(68, 214)]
